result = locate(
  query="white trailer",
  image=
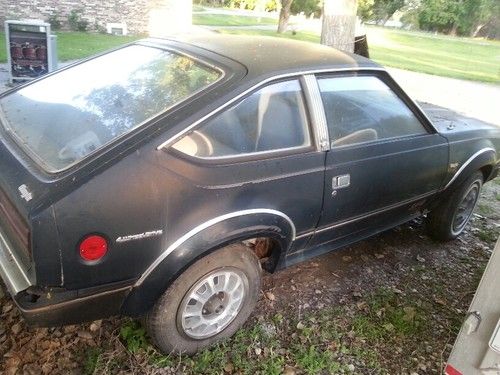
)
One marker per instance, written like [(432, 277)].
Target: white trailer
[(477, 348)]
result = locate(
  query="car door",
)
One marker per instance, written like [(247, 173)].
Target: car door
[(385, 158), (258, 153)]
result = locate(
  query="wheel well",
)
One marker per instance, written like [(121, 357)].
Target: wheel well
[(267, 249), (486, 170)]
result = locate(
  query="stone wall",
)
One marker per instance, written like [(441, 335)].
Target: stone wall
[(137, 14)]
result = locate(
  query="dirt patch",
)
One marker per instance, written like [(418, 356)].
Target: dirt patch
[(390, 304)]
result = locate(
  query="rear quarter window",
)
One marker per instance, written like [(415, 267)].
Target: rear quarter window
[(67, 116)]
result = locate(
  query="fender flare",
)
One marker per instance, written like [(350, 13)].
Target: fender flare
[(482, 158), (200, 241)]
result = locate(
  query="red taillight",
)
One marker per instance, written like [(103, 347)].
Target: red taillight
[(450, 370), (93, 248)]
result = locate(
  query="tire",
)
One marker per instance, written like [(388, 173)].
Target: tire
[(170, 324), (449, 219)]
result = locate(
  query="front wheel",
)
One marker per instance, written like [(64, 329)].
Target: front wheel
[(208, 302), (450, 218)]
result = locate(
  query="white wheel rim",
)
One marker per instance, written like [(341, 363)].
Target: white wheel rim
[(465, 208), (212, 303)]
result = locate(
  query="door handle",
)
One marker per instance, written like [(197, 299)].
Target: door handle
[(340, 182)]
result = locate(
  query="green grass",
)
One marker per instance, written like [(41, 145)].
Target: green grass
[(463, 58), (77, 45), (229, 20), (305, 36)]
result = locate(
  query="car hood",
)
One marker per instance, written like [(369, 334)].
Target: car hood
[(447, 121)]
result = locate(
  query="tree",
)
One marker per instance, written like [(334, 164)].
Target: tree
[(384, 9), (307, 6), (339, 22), (462, 17), (487, 19), (365, 9), (379, 10), (284, 15)]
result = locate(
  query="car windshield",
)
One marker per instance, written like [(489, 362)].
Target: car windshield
[(65, 117)]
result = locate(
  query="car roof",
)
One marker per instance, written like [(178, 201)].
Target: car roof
[(263, 55)]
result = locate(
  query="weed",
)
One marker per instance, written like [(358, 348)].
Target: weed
[(313, 360), (386, 317), (211, 361), (487, 235), (273, 364), (485, 209), (91, 362), (134, 336)]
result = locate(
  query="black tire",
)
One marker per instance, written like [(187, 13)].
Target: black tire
[(447, 221), (165, 321)]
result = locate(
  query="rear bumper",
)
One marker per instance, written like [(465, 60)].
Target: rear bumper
[(12, 271), (63, 308), (58, 306)]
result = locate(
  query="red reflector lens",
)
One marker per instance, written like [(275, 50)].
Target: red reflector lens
[(93, 248), (450, 370)]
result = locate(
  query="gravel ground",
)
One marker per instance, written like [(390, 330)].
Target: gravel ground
[(442, 277)]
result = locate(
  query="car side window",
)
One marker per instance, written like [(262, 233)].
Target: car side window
[(270, 119), (364, 109)]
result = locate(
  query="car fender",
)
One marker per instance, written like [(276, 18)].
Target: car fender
[(480, 159), (200, 241)]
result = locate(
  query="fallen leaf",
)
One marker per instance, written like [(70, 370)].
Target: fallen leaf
[(440, 301), (16, 328), (85, 335), (229, 367), (270, 296)]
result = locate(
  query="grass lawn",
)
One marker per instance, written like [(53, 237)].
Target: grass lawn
[(74, 45), (228, 20), (465, 58)]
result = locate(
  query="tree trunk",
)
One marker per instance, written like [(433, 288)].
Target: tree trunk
[(284, 15), (339, 22), (477, 30), (453, 31)]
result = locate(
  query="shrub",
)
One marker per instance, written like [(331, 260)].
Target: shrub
[(53, 19), (76, 22)]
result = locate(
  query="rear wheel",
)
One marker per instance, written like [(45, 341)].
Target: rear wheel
[(208, 302), (450, 218)]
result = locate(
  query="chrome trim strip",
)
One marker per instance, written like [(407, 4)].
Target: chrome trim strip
[(467, 162), (305, 234), (174, 138), (318, 117), (375, 212), (278, 151), (13, 273), (206, 225)]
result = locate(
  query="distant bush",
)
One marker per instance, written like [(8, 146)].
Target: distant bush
[(76, 22), (55, 23)]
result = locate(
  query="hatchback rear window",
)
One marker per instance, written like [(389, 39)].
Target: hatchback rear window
[(65, 117)]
